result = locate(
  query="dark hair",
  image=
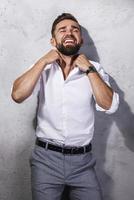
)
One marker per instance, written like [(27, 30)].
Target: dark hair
[(60, 18)]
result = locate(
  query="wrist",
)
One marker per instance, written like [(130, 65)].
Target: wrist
[(43, 61), (90, 69)]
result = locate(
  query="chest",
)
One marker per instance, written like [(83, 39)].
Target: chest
[(74, 90)]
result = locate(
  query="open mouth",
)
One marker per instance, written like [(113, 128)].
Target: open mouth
[(69, 41)]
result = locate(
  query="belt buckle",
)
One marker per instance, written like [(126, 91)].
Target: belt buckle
[(73, 150), (66, 151)]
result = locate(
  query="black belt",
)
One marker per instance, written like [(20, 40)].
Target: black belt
[(64, 150)]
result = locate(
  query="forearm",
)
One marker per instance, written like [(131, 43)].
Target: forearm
[(25, 84), (102, 92)]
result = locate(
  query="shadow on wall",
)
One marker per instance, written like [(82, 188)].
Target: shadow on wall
[(123, 119), (88, 48)]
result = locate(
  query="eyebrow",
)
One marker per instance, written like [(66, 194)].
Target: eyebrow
[(63, 27)]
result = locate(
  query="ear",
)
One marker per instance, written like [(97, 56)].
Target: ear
[(53, 42)]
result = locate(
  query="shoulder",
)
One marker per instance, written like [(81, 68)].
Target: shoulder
[(49, 67), (48, 71)]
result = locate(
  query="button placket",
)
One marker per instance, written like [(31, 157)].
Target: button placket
[(64, 110)]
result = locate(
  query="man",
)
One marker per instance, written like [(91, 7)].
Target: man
[(68, 83)]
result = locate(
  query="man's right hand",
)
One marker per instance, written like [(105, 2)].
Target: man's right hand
[(51, 56)]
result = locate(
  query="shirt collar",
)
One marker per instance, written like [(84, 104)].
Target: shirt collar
[(75, 70)]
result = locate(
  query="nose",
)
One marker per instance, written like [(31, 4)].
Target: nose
[(69, 31)]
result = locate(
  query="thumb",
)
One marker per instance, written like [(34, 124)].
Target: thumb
[(59, 57)]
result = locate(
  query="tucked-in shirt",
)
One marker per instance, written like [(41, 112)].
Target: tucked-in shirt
[(66, 107)]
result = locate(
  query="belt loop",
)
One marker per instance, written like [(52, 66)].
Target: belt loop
[(63, 149), (46, 147), (84, 149), (72, 150)]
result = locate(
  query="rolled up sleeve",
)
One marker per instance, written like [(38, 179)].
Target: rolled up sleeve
[(114, 105), (115, 99)]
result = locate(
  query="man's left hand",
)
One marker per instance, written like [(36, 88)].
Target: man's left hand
[(82, 62)]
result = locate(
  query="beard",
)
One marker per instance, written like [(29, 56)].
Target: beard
[(69, 50)]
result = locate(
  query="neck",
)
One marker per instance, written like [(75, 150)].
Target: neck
[(67, 61), (67, 64)]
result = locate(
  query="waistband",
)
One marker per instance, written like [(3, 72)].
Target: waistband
[(64, 150)]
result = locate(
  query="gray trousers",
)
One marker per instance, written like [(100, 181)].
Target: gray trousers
[(51, 171)]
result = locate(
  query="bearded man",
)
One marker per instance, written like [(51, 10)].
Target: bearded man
[(69, 84)]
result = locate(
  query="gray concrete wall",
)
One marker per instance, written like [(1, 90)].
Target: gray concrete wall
[(24, 37)]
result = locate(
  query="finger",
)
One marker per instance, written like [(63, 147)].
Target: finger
[(74, 59), (59, 55)]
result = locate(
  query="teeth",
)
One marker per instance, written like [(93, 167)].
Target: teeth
[(68, 40)]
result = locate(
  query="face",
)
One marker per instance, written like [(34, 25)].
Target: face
[(67, 37)]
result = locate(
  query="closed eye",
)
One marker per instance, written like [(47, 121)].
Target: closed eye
[(62, 31), (75, 30)]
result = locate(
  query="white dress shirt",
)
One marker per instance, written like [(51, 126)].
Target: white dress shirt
[(66, 107)]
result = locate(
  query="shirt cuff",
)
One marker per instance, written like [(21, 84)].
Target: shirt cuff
[(114, 105)]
